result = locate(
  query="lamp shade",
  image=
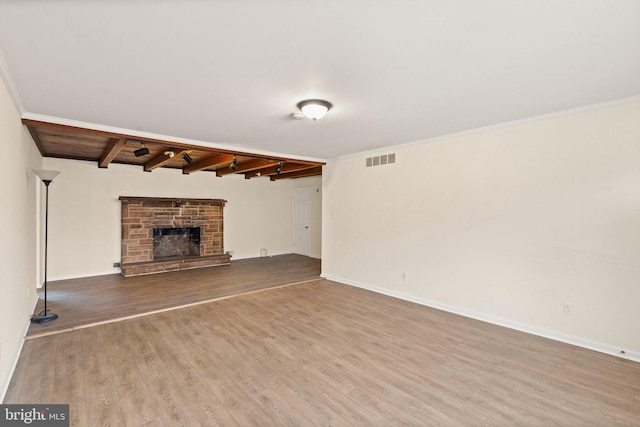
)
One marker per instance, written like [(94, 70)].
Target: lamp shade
[(314, 108), (46, 175)]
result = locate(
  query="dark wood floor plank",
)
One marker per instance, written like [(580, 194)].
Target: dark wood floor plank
[(102, 298)]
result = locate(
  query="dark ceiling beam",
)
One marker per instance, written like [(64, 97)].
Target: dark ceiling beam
[(162, 159), (286, 167), (300, 174), (111, 152), (215, 160), (249, 166)]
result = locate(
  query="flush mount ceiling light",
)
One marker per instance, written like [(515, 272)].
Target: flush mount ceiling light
[(314, 108)]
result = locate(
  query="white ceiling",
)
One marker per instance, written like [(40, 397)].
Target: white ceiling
[(397, 71)]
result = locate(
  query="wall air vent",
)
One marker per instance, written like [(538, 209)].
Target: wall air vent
[(385, 159)]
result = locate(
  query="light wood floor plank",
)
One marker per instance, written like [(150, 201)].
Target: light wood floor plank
[(158, 377), (19, 376), (208, 408), (103, 402), (221, 375), (69, 378), (323, 353), (38, 386), (138, 404)]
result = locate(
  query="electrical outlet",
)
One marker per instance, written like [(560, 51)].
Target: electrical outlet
[(568, 308), (403, 276), (28, 292)]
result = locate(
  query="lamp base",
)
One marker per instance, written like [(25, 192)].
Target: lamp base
[(44, 317)]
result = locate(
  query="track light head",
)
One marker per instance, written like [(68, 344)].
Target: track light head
[(279, 168), (234, 164), (141, 151), (187, 158)]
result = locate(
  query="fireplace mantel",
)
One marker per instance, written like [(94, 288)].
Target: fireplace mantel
[(141, 215), (211, 202)]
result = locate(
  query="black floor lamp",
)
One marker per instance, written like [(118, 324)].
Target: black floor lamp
[(45, 315)]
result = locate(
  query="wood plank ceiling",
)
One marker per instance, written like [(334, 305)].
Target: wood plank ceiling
[(69, 142)]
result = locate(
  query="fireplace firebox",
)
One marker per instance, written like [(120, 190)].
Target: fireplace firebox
[(176, 242)]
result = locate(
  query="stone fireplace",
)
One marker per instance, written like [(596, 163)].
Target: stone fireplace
[(164, 234)]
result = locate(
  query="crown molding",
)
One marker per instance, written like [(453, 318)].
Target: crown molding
[(498, 126), (5, 75)]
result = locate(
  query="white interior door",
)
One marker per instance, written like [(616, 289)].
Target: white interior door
[(301, 220)]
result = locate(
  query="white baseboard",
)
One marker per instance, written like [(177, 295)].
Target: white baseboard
[(16, 356), (568, 339)]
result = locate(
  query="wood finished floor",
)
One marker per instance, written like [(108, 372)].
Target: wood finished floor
[(90, 300), (322, 353)]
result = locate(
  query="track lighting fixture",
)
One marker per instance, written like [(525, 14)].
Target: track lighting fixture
[(141, 151), (169, 153), (279, 168), (187, 158), (234, 164)]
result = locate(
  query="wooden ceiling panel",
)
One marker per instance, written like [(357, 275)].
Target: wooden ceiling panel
[(68, 142), (56, 147), (67, 135), (208, 162), (286, 168), (317, 170)]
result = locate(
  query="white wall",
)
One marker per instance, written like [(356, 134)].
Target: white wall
[(504, 225), (84, 214), (17, 234)]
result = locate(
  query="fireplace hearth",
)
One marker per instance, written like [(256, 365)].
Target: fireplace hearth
[(163, 234)]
